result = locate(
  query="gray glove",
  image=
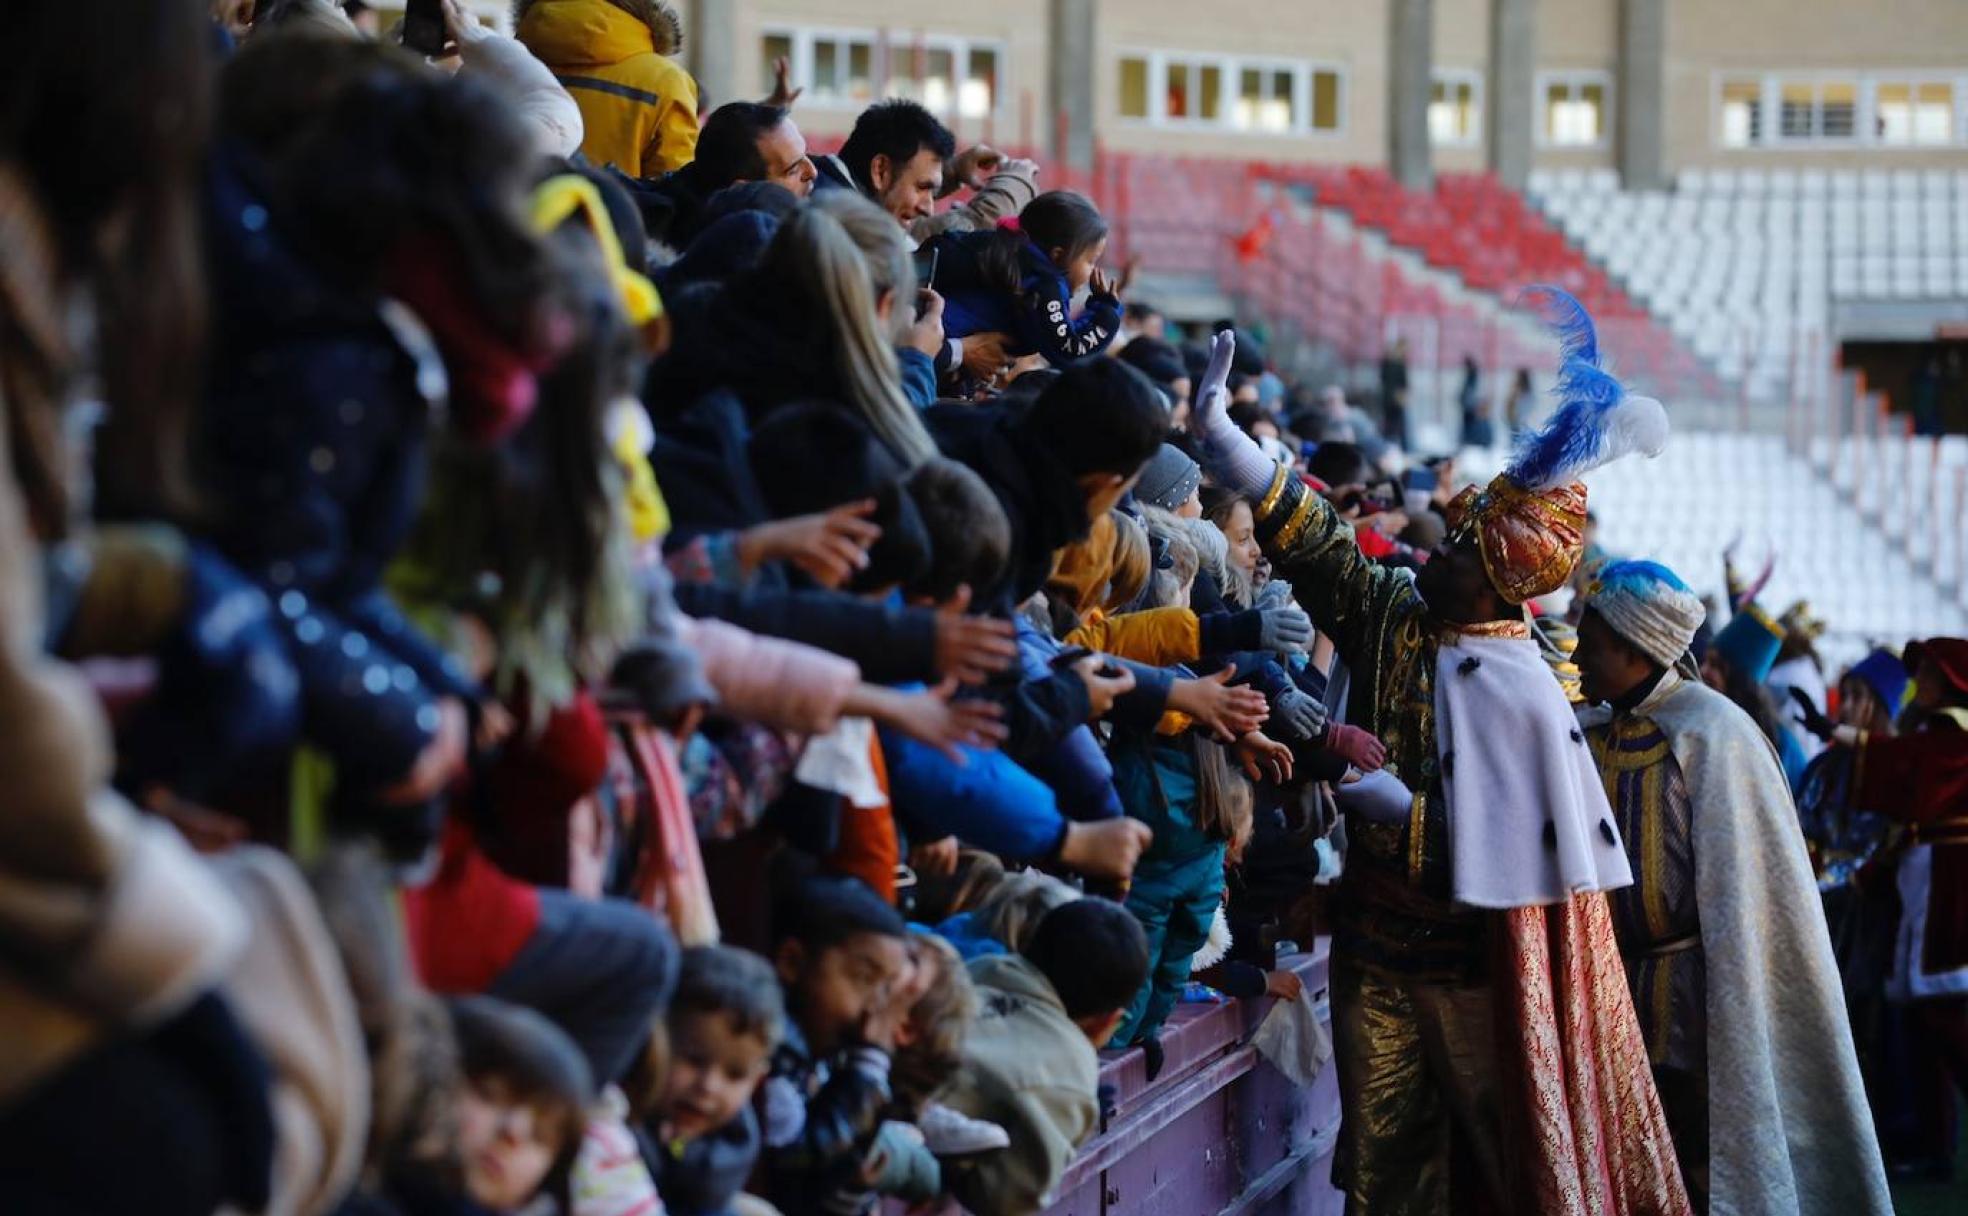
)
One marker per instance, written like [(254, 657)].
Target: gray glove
[(1285, 630), (1297, 716)]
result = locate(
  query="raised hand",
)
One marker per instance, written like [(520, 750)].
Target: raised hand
[(783, 94)]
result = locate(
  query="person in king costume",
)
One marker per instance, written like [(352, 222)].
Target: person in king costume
[(1480, 1012), (1726, 950)]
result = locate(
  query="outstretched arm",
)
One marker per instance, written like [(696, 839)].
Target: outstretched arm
[(1347, 596)]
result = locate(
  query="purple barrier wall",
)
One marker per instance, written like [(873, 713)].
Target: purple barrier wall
[(1219, 1133)]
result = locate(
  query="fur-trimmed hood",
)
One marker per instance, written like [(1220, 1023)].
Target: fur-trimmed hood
[(665, 26)]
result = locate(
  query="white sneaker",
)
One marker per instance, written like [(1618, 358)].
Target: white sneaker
[(949, 1133)]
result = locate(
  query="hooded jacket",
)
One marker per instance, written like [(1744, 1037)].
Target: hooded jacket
[(638, 106), (1038, 316), (1031, 1071), (985, 800)]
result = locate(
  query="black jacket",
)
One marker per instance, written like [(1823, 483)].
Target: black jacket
[(747, 337), (703, 1178), (1041, 499)]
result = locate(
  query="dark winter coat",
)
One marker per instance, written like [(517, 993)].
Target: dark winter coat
[(313, 441), (1038, 316)]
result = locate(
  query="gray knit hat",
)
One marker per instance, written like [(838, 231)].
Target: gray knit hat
[(1649, 606), (1168, 479)]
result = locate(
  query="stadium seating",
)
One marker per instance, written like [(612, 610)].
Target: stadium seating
[(1857, 544), (1744, 265)]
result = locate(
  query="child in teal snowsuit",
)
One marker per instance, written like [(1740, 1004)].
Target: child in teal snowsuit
[(1178, 883)]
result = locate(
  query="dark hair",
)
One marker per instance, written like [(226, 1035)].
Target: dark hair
[(533, 1057), (969, 535), (1338, 464), (813, 457), (400, 155), (85, 77), (1100, 416), (1218, 502), (1753, 699), (766, 198), (823, 911), (1155, 359), (1139, 310), (1094, 953), (1057, 219), (898, 129), (1028, 386), (1247, 414), (727, 146), (735, 983)]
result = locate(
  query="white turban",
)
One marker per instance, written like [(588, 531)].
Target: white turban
[(1649, 606)]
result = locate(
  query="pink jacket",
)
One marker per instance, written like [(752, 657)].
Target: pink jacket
[(776, 683)]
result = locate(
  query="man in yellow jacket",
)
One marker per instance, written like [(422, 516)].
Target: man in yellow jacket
[(638, 105)]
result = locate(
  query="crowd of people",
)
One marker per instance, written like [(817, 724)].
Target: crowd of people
[(567, 654)]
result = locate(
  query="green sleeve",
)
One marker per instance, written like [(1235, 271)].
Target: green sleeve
[(1353, 600)]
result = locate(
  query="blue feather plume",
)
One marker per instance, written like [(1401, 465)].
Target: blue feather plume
[(1640, 574), (1577, 436)]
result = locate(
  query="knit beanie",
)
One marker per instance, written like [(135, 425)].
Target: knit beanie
[(1168, 479), (1887, 677), (1649, 606)]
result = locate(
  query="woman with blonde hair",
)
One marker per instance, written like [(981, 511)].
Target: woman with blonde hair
[(805, 324)]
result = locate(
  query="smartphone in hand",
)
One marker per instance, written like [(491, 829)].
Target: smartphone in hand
[(423, 27)]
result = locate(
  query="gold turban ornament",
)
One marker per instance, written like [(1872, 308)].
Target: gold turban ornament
[(1529, 522)]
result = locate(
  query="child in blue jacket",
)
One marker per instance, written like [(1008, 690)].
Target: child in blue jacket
[(1020, 279)]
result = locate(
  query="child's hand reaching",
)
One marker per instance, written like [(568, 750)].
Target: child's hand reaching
[(1105, 849), (1227, 713), (972, 649), (1357, 747), (831, 547), (1264, 759), (932, 717), (1101, 285)]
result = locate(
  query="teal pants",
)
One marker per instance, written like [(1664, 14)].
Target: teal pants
[(1175, 902)]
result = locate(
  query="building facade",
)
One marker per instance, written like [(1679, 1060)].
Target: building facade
[(1643, 87)]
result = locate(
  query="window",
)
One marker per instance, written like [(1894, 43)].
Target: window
[(1265, 97), (1194, 90), (835, 69), (1831, 111), (1817, 110), (773, 48), (1914, 115), (1325, 100), (1455, 109), (979, 94), (949, 76), (1574, 109), (1742, 113), (1134, 87)]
